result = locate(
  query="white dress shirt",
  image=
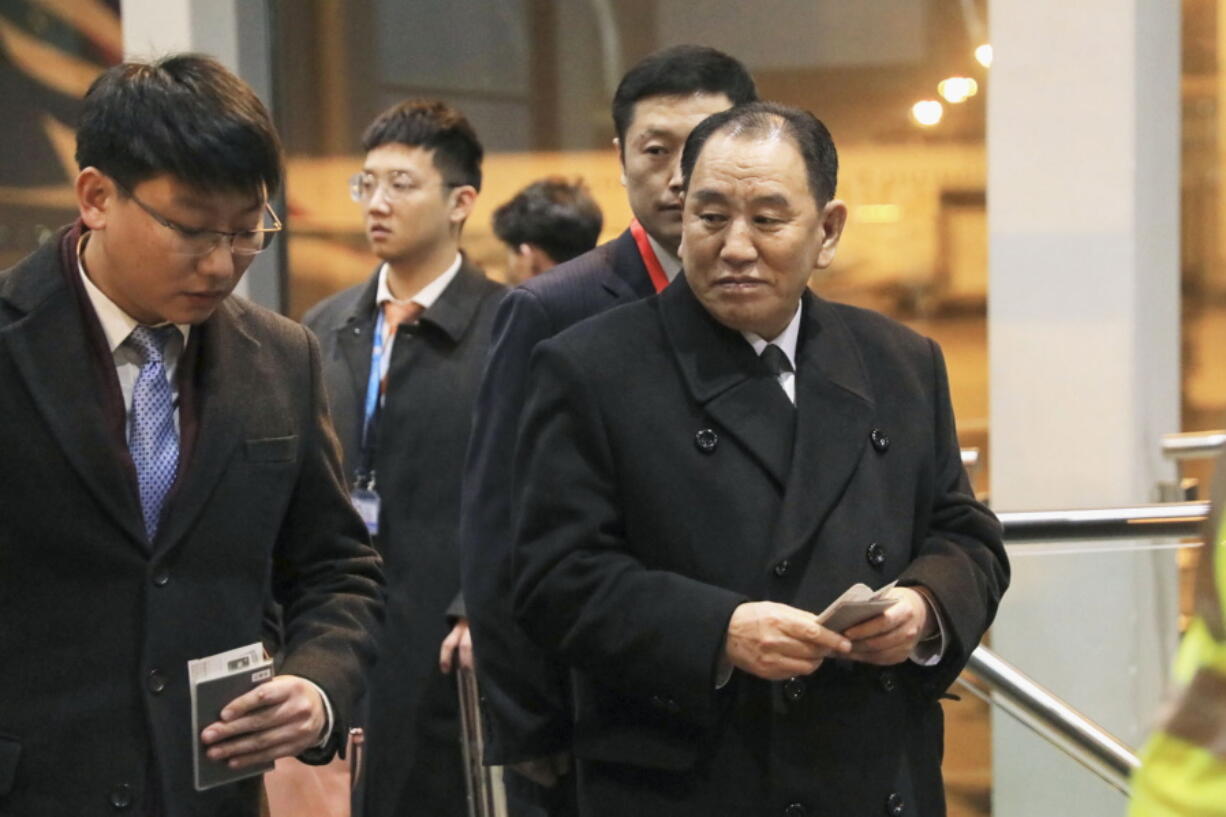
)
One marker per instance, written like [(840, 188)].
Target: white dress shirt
[(786, 341), (116, 326), (425, 298), (670, 263)]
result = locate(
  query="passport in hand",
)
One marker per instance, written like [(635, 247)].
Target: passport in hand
[(858, 604)]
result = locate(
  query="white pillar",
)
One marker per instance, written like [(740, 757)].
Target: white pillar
[(237, 34), (1083, 193)]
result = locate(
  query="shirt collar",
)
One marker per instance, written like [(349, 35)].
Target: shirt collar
[(670, 263), (786, 340), (116, 324), (428, 294)]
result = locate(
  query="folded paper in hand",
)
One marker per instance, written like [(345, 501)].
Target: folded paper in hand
[(858, 604), (214, 682)]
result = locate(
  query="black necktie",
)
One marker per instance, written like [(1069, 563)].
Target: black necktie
[(775, 360)]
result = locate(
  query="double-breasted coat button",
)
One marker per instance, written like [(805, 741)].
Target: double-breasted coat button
[(875, 555), (894, 805), (161, 577), (796, 810), (155, 682), (794, 689), (121, 796), (672, 706), (887, 680), (782, 568), (657, 701), (706, 439), (881, 440)]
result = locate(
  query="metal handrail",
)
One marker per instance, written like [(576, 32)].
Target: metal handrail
[(998, 682), (1193, 445), (1001, 684), (987, 675), (1162, 520)]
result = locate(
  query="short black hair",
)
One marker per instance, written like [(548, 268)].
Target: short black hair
[(431, 124), (186, 115), (805, 130), (557, 215), (680, 70)]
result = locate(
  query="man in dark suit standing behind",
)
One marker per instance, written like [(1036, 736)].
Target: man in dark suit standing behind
[(168, 458), (698, 474), (402, 359), (525, 698)]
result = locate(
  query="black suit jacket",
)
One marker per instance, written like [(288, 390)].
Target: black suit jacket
[(663, 478), (414, 762), (524, 690), (99, 622)]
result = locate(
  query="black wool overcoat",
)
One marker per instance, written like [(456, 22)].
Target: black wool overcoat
[(662, 478)]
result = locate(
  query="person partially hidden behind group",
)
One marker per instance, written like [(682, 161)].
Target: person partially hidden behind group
[(550, 221)]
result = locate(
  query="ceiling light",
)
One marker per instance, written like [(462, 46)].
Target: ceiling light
[(957, 89), (927, 112)]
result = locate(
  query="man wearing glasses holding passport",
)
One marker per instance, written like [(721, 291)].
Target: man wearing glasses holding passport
[(168, 459)]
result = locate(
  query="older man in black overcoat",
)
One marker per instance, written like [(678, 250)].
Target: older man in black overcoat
[(701, 472)]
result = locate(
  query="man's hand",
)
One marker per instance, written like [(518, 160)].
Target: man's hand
[(280, 718), (775, 641), (458, 639), (890, 637)]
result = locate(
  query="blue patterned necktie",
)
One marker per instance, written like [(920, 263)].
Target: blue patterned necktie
[(152, 437)]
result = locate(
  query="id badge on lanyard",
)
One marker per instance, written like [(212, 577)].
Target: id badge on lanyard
[(364, 494)]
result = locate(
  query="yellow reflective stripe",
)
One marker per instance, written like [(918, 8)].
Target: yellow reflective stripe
[(1199, 649), (1177, 779), (1199, 716)]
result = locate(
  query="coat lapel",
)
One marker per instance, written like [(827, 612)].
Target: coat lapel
[(353, 339), (628, 279), (226, 380), (457, 304), (834, 417), (51, 350), (724, 375), (442, 325)]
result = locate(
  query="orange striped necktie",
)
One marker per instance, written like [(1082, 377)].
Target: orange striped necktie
[(396, 313)]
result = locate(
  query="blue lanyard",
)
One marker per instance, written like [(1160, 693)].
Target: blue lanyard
[(376, 378)]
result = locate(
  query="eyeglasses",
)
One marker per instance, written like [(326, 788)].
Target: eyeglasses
[(396, 185), (198, 241)]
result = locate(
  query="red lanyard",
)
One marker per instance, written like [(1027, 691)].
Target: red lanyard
[(658, 279)]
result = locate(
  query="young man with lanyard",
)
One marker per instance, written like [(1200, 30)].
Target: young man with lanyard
[(525, 691), (402, 360)]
